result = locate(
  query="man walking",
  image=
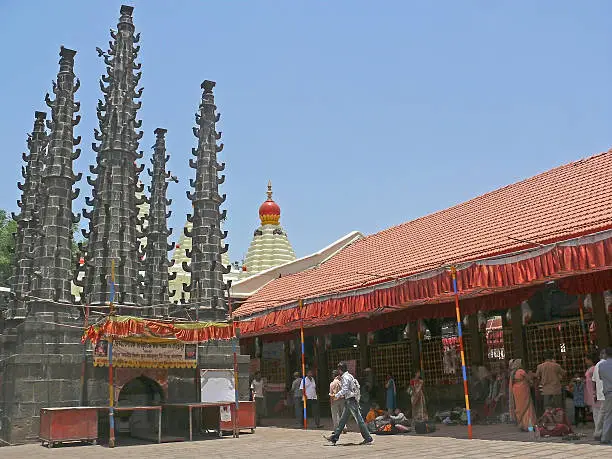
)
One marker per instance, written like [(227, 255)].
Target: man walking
[(549, 374), (312, 402), (336, 404), (350, 392), (604, 370)]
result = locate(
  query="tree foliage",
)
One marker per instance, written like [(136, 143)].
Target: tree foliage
[(7, 247), (8, 227)]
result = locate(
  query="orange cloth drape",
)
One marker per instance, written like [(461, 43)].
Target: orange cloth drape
[(188, 332), (487, 285)]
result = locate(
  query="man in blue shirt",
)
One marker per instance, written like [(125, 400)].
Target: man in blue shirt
[(350, 393), (605, 374)]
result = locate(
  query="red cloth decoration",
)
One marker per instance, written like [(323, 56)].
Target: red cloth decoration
[(579, 268), (125, 327)]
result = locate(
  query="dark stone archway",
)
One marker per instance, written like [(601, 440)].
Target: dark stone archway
[(139, 391)]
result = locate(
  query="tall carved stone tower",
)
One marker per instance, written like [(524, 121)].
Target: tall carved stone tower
[(28, 220), (156, 252), (53, 264), (207, 286), (113, 229)]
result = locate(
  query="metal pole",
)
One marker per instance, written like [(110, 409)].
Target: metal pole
[(301, 306), (583, 325), (463, 369), (84, 364), (420, 338), (111, 389)]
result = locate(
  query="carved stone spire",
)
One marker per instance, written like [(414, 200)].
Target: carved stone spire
[(53, 252), (113, 229), (206, 287), (156, 252), (28, 220)]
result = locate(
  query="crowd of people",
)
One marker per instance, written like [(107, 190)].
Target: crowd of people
[(592, 391), (514, 391)]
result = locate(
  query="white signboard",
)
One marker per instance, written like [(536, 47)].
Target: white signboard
[(217, 386)]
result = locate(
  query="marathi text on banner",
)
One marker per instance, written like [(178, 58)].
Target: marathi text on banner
[(146, 355)]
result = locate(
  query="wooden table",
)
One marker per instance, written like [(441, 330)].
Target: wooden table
[(157, 408), (191, 405)]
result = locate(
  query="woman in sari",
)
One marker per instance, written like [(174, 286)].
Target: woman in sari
[(417, 397), (521, 406), (391, 394)]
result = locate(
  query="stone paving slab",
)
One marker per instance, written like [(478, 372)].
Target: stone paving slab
[(271, 443)]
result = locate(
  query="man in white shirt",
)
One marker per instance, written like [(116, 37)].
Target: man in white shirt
[(599, 394), (258, 389), (350, 392), (312, 402)]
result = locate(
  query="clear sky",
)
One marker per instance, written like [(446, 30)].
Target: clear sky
[(363, 114)]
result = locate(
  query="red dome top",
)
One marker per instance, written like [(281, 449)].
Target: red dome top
[(269, 208), (269, 211)]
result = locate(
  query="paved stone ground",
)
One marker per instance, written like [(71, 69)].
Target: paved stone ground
[(278, 442)]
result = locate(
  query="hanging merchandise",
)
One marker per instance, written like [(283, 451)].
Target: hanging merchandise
[(370, 338), (482, 321), (328, 342), (450, 358), (257, 347), (526, 312), (608, 300), (588, 302), (509, 317)]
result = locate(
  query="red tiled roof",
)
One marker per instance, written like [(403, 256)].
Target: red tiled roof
[(562, 203)]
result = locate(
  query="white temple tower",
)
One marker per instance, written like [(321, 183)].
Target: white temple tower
[(270, 246)]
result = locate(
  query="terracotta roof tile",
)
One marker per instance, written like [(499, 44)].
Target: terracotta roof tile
[(561, 203)]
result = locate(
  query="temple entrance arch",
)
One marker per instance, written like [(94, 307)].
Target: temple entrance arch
[(141, 391), (137, 392)]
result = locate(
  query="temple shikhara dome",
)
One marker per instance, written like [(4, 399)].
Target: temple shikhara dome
[(270, 246)]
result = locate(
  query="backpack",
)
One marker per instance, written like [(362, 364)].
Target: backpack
[(356, 389), (424, 427)]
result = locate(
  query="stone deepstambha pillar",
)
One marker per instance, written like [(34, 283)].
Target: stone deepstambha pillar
[(53, 266), (207, 286), (156, 253), (28, 220), (113, 229)]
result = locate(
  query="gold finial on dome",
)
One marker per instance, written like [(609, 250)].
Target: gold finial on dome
[(270, 190)]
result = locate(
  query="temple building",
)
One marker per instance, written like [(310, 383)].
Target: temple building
[(270, 246), (533, 259), (121, 270)]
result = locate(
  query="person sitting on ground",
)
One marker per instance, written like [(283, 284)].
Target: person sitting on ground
[(554, 423), (399, 418), (374, 412), (389, 423)]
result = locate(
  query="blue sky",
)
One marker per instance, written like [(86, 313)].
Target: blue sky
[(363, 114)]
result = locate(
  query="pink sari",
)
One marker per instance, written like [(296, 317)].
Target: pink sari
[(521, 406)]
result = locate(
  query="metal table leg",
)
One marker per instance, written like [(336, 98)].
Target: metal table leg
[(159, 432), (190, 425)]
